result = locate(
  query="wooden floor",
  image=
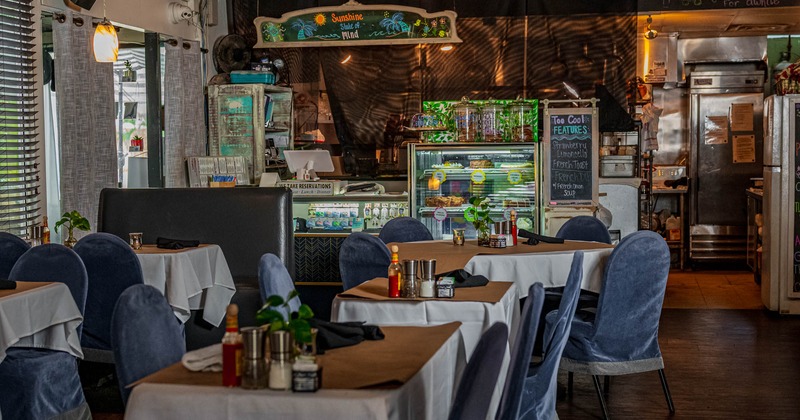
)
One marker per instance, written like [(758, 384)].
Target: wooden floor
[(725, 357)]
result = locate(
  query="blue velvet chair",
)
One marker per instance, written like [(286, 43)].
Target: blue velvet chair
[(404, 229), (274, 279), (521, 353), (112, 267), (145, 335), (621, 337), (539, 395), (362, 257), (40, 383), (11, 248), (584, 228), (474, 392)]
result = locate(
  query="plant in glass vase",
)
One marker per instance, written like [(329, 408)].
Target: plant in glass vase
[(276, 314), (478, 214), (72, 220)]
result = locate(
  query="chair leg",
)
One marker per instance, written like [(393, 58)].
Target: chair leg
[(606, 384), (666, 390), (569, 384), (596, 380)]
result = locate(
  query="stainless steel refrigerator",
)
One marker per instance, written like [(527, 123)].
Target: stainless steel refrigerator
[(780, 275), (726, 102)]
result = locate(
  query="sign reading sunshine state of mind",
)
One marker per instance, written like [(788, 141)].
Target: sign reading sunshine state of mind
[(571, 156), (356, 24)]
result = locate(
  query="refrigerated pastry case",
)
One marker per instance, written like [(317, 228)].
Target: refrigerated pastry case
[(443, 177)]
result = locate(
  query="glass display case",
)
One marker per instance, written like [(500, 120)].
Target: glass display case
[(346, 213), (443, 177)]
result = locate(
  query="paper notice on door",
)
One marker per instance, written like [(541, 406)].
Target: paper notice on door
[(742, 117), (744, 149), (716, 130)]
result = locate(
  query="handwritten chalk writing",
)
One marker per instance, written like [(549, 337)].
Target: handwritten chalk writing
[(571, 157), (346, 18), (350, 35)]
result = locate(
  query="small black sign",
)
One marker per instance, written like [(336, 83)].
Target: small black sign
[(571, 156)]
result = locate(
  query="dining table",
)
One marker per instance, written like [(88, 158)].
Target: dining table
[(523, 264), (39, 315), (190, 278), (410, 374)]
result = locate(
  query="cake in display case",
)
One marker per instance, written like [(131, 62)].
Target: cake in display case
[(443, 177)]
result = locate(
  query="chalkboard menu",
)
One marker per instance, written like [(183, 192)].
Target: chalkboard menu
[(570, 156), (356, 24)]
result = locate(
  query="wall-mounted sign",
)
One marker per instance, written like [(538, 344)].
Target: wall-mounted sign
[(354, 23)]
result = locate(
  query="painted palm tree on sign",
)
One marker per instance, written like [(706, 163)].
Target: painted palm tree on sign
[(395, 23), (304, 28)]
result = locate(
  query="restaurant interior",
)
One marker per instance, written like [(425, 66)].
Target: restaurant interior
[(399, 210)]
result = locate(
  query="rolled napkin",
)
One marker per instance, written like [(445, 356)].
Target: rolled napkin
[(167, 243), (465, 279), (535, 238), (7, 285), (332, 335), (207, 359)]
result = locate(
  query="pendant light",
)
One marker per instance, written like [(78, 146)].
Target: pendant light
[(650, 33), (106, 43)]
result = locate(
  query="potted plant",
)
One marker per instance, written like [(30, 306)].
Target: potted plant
[(274, 312), (72, 220), (478, 214)]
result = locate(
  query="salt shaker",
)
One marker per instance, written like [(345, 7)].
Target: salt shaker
[(281, 354), (427, 270)]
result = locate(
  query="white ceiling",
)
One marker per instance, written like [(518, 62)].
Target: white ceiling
[(729, 22)]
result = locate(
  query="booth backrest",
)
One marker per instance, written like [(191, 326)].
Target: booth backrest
[(245, 222)]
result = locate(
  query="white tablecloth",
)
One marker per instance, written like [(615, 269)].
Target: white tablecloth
[(428, 395), (43, 317), (549, 268), (475, 318), (190, 278)]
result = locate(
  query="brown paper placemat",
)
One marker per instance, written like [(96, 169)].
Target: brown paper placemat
[(152, 249), (24, 286), (378, 289), (451, 257), (387, 363)]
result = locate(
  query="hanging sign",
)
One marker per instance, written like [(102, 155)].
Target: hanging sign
[(354, 23)]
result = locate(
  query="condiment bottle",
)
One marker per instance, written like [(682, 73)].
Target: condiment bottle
[(514, 227), (410, 281), (232, 348), (45, 232), (394, 275), (281, 359), (254, 370)]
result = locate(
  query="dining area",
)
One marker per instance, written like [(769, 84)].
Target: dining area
[(489, 342)]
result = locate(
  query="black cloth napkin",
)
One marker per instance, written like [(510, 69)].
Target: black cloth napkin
[(332, 335), (535, 238), (8, 285), (167, 243), (465, 279)]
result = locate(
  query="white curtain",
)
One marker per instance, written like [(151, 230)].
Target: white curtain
[(85, 91), (184, 111)]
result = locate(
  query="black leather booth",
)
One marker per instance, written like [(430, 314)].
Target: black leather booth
[(245, 222)]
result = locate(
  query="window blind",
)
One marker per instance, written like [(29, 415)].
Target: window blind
[(19, 174)]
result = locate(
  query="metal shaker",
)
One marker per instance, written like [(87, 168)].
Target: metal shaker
[(254, 367), (410, 280), (427, 273)]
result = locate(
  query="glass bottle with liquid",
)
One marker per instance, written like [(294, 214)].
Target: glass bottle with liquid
[(395, 274)]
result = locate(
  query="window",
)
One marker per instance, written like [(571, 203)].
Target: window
[(19, 175)]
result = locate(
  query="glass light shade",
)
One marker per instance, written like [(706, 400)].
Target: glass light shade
[(106, 43)]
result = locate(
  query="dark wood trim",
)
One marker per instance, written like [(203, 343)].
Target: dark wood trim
[(155, 144)]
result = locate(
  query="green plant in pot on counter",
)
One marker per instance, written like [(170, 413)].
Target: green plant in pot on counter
[(478, 214), (72, 220), (273, 314)]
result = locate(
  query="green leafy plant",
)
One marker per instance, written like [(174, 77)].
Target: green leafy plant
[(478, 213), (273, 314), (72, 220)]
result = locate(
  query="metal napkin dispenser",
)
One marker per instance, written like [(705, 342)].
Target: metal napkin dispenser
[(663, 174)]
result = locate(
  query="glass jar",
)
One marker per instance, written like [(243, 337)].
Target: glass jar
[(521, 121), (467, 118), (492, 124)]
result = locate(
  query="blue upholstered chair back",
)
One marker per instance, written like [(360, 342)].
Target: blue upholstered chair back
[(539, 398), (584, 228), (631, 296), (11, 248), (54, 262), (112, 267), (521, 353), (404, 229), (362, 257), (274, 279), (145, 335), (474, 392)]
